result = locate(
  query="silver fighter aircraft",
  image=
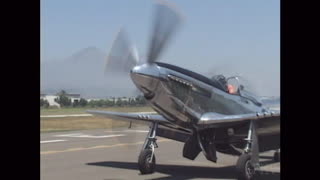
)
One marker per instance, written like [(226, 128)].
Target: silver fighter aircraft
[(207, 114)]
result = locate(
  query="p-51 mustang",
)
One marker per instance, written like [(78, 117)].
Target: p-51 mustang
[(208, 115)]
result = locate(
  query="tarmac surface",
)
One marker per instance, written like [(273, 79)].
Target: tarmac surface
[(105, 154)]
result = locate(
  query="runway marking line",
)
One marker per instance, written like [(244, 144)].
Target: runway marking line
[(98, 147), (106, 136), (68, 135), (80, 135), (139, 131), (67, 115), (51, 141)]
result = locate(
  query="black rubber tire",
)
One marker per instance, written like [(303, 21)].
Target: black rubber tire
[(144, 166), (276, 156), (242, 168)]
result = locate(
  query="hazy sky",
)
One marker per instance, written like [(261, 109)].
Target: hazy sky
[(216, 36)]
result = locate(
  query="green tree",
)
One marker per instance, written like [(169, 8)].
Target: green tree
[(131, 102), (62, 99), (83, 102), (62, 92), (41, 102), (44, 103), (140, 100), (100, 103), (124, 102), (92, 103), (75, 103), (119, 102)]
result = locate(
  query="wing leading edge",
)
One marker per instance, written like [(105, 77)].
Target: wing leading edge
[(167, 130), (142, 117), (207, 120)]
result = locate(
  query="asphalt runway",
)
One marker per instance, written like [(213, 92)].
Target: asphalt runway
[(104, 155)]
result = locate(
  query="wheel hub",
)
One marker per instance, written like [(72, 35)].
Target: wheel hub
[(249, 169), (148, 161)]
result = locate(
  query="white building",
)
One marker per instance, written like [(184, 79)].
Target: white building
[(52, 102), (115, 99), (50, 99), (74, 97), (93, 99)]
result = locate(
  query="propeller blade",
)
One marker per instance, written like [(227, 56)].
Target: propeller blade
[(123, 56), (167, 19)]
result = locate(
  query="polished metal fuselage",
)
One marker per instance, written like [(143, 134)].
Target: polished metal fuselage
[(174, 94)]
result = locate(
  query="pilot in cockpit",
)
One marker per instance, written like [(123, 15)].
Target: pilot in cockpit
[(229, 87)]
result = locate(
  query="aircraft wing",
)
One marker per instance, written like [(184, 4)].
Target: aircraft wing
[(167, 130), (144, 117), (211, 119)]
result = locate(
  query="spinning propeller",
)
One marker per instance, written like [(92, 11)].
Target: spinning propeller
[(123, 55)]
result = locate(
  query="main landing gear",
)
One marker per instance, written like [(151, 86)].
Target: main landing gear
[(248, 162), (147, 159)]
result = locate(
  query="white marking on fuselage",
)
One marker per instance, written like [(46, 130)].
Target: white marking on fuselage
[(51, 141)]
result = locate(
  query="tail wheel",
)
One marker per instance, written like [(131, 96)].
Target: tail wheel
[(145, 165), (244, 168)]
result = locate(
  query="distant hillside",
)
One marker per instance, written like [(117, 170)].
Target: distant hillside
[(83, 72)]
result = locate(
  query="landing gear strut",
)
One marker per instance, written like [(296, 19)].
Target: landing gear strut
[(248, 162), (147, 159)]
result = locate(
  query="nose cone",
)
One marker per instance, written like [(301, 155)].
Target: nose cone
[(146, 78)]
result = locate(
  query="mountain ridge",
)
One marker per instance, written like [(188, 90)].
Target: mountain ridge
[(83, 72)]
